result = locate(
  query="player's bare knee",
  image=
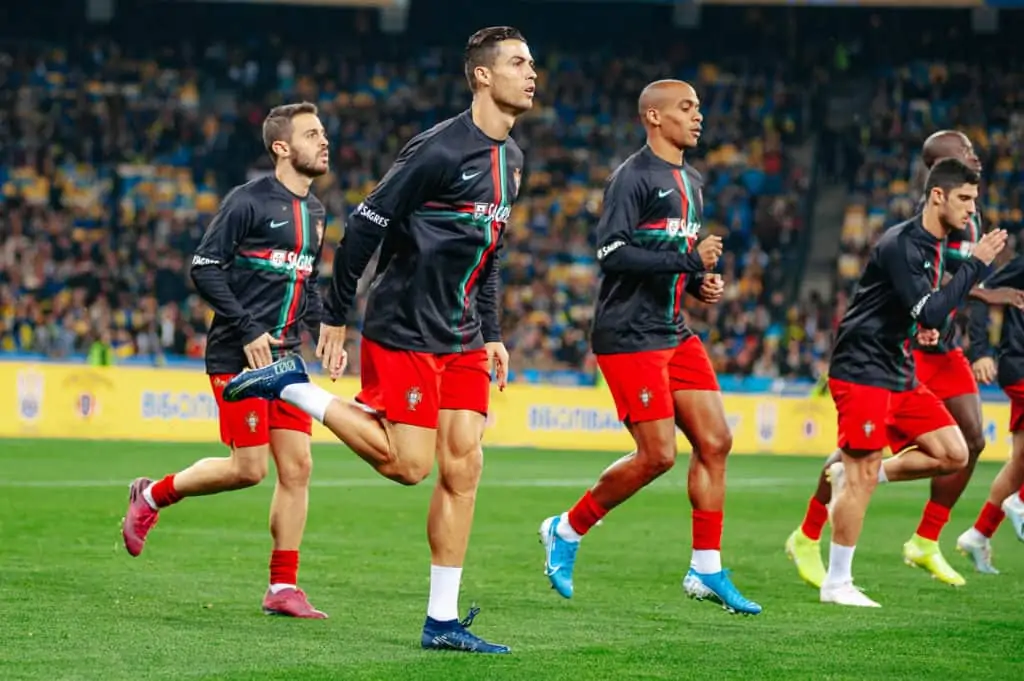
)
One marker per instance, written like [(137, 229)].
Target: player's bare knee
[(975, 446), (954, 457), (862, 476), (459, 470), (657, 459), (713, 447), (295, 471), (249, 466)]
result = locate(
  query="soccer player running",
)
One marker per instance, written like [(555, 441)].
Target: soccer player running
[(256, 266), (872, 379), (431, 332), (656, 368), (1006, 494), (945, 371)]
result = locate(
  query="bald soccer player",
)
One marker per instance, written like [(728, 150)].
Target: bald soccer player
[(942, 367), (651, 256)]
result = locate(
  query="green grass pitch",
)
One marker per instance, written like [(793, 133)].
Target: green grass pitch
[(76, 606)]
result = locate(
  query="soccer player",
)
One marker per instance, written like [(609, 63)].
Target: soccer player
[(431, 332), (656, 368), (872, 379), (256, 266), (1006, 495), (944, 370)]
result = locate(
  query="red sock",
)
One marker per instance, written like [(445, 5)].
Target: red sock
[(284, 567), (1020, 492), (707, 530), (164, 493), (933, 520), (814, 521), (585, 514), (989, 519)]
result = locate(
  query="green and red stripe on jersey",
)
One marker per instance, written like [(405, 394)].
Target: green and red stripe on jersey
[(690, 217), (263, 260), (955, 249), (464, 210), (492, 234)]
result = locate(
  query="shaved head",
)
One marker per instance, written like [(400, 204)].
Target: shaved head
[(663, 93), (670, 112), (946, 144)]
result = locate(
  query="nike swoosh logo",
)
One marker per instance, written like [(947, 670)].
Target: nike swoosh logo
[(470, 176), (662, 193), (275, 225)]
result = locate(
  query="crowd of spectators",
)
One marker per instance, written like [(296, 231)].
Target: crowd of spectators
[(112, 162)]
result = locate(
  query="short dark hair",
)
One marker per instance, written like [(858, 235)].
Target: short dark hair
[(277, 126), (482, 48), (949, 173)]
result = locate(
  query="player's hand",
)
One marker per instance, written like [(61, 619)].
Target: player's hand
[(497, 360), (712, 288), (1006, 296), (331, 350), (928, 336), (984, 370), (258, 352), (709, 251), (990, 246)]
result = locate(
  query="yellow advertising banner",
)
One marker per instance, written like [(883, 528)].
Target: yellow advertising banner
[(126, 403)]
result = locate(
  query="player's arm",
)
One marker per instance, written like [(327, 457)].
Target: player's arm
[(213, 259), (977, 331), (415, 174), (617, 251), (487, 301), (314, 300), (913, 283)]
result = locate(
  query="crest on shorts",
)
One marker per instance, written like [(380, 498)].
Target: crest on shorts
[(220, 382), (869, 428), (645, 397), (253, 421), (413, 397), (517, 175), (319, 231)]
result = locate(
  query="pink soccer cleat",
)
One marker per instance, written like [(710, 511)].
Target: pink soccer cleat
[(291, 603), (139, 519)]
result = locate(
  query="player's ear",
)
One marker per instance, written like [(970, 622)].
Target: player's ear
[(280, 148), (483, 75), (652, 116)]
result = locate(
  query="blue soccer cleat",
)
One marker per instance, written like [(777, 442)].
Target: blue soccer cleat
[(718, 588), (559, 557), (268, 382), (455, 635)]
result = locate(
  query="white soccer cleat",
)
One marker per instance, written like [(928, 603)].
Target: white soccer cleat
[(846, 594), (978, 549), (836, 475), (1013, 507)]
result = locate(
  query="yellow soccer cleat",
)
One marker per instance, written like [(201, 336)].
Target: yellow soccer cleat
[(925, 553), (806, 555)]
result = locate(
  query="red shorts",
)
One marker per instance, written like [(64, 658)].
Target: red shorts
[(642, 383), (1016, 394), (411, 387), (947, 375), (248, 423), (871, 418)]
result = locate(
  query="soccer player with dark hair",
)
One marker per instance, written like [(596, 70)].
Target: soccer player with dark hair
[(879, 400), (944, 369), (1006, 494), (431, 334), (657, 370), (256, 266)]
